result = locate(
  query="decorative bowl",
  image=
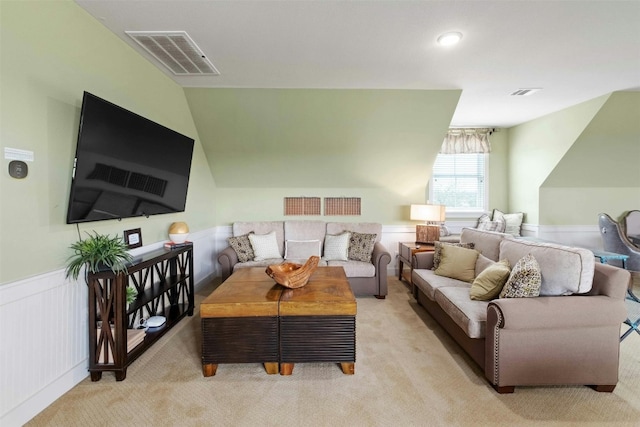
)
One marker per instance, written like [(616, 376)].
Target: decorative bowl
[(292, 275)]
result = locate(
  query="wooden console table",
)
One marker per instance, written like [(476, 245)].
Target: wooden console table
[(164, 281)]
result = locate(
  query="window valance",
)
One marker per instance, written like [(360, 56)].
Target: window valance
[(466, 141)]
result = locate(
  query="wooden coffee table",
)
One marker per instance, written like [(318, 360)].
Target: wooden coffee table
[(318, 322), (240, 322), (251, 319)]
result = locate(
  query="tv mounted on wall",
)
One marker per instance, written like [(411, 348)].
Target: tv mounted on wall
[(126, 165)]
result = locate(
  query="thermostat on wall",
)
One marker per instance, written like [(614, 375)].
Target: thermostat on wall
[(18, 169)]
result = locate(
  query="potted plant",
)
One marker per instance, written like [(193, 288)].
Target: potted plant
[(98, 252)]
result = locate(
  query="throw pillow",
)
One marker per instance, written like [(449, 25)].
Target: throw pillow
[(525, 279), (361, 246), (513, 221), (485, 224), (336, 247), (488, 284), (458, 263), (444, 231), (242, 246), (437, 251), (301, 249), (265, 246)]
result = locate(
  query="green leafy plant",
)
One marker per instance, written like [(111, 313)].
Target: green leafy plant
[(131, 294), (97, 252)]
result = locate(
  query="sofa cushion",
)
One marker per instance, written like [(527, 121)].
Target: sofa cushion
[(336, 247), (355, 268), (305, 230), (263, 263), (470, 315), (242, 246), (361, 246), (428, 282), (264, 246), (565, 270), (262, 227), (301, 249), (458, 263), (524, 280), (513, 221), (486, 242), (488, 284), (358, 227), (437, 250)]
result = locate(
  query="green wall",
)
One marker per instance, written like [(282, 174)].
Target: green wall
[(266, 144), (567, 167), (536, 148), (601, 170), (50, 53)]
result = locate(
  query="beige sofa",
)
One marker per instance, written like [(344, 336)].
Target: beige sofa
[(365, 278), (567, 335)]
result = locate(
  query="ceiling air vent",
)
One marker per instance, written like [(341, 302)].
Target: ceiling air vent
[(176, 51), (525, 91)]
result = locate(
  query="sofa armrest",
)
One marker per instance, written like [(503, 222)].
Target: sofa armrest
[(610, 281), (422, 260), (559, 312), (553, 340), (380, 258), (227, 259)]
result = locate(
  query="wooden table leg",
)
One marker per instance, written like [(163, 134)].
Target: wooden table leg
[(271, 367), (286, 368), (209, 369), (348, 368)]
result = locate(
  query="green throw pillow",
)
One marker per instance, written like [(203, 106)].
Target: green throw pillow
[(458, 263), (525, 279), (490, 281), (437, 251)]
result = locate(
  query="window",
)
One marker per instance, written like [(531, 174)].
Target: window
[(458, 182)]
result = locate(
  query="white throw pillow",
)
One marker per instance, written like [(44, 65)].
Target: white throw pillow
[(265, 246), (301, 249), (336, 247)]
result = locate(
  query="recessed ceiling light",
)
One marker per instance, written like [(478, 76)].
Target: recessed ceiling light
[(449, 39)]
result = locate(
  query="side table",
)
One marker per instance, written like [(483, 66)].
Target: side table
[(405, 256)]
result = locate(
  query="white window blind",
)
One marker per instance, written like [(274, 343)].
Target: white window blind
[(458, 182)]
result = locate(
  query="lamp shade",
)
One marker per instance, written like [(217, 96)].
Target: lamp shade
[(178, 232), (428, 213)]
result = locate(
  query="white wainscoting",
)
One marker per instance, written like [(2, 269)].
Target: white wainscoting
[(43, 319), (43, 334)]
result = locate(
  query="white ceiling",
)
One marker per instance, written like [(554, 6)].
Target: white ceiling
[(574, 50)]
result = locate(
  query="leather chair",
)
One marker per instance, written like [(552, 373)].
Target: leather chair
[(615, 239), (631, 226)]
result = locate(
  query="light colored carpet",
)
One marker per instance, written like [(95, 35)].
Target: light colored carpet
[(408, 373)]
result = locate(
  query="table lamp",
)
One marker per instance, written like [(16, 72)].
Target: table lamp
[(432, 215)]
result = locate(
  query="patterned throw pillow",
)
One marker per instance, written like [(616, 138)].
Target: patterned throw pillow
[(437, 251), (265, 246), (336, 247), (242, 246), (361, 246), (525, 279), (485, 224), (513, 221)]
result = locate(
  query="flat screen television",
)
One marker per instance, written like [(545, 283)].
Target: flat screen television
[(126, 165)]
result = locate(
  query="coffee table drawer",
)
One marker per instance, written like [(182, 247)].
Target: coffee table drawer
[(239, 340), (317, 339)]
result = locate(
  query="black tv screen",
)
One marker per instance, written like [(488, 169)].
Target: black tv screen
[(126, 165)]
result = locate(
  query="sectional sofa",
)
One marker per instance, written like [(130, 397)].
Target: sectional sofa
[(297, 240), (569, 334)]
